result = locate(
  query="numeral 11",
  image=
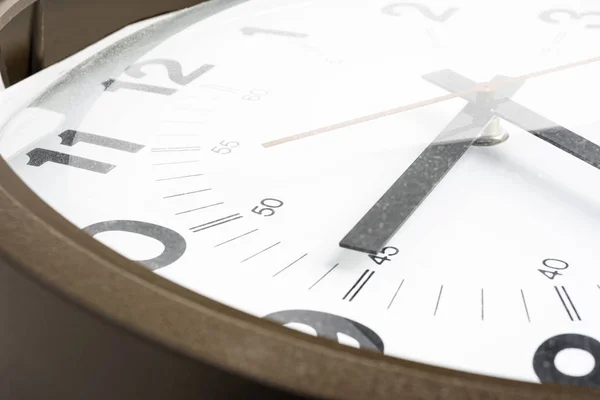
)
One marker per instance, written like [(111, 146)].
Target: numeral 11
[(39, 156)]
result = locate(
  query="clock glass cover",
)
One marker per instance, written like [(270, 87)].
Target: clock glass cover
[(418, 179)]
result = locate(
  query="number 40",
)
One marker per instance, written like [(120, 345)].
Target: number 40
[(555, 266)]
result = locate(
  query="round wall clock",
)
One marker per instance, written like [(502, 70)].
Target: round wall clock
[(300, 199)]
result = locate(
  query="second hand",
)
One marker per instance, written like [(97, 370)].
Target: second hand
[(487, 86)]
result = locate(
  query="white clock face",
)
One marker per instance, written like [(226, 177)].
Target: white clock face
[(244, 141)]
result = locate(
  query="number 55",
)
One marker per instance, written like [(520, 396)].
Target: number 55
[(225, 147)]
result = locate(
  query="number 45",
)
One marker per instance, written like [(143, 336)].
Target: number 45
[(386, 253)]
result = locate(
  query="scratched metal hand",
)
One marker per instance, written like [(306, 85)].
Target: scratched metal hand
[(398, 203), (392, 210), (524, 118)]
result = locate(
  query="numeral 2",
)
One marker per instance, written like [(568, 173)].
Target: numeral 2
[(392, 9)]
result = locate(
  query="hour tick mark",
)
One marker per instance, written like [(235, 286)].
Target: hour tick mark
[(362, 285), (321, 278), (216, 222), (565, 305), (260, 252), (356, 283)]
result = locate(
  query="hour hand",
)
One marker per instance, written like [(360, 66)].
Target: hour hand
[(398, 203), (521, 116)]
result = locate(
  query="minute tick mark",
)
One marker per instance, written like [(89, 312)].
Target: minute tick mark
[(395, 294), (293, 262), (525, 305), (437, 304), (178, 177), (176, 162), (482, 308), (180, 121), (260, 252), (185, 194), (199, 208), (237, 237), (174, 149), (219, 88), (323, 277)]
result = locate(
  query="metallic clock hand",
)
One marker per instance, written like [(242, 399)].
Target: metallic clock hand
[(382, 221), (524, 118), (403, 108)]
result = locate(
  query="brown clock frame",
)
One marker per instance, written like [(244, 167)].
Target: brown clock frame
[(79, 321)]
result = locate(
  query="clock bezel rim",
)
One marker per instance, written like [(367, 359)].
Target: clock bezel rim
[(26, 235), (29, 230)]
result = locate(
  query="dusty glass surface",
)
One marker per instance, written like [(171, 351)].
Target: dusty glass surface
[(411, 178)]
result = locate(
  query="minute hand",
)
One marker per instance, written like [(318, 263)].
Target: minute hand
[(526, 119), (398, 203)]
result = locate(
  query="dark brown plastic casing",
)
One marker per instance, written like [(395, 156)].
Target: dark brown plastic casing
[(79, 321)]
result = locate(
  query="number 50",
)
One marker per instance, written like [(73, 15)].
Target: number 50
[(269, 206)]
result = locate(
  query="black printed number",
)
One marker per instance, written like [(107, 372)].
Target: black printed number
[(40, 156), (225, 147), (545, 366), (267, 207), (255, 95), (394, 9), (553, 265), (174, 70), (329, 326), (385, 255), (174, 244), (553, 16)]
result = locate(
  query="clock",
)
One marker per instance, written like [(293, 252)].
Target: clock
[(300, 199)]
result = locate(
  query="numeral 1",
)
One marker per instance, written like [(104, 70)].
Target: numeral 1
[(112, 86), (39, 156)]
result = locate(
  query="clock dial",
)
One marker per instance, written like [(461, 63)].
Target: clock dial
[(229, 148)]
